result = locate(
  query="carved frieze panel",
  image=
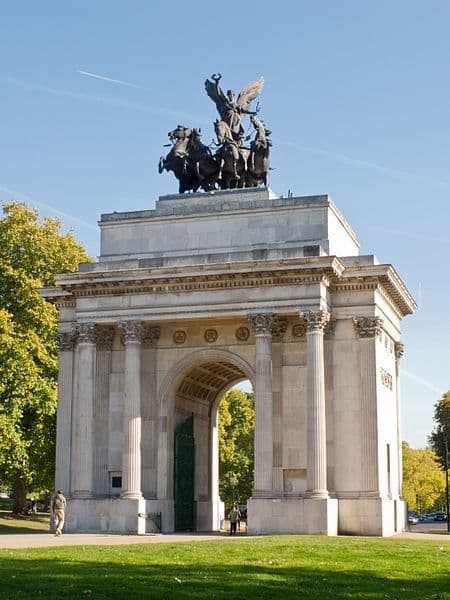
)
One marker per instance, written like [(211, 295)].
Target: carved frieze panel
[(210, 335), (299, 329), (386, 378), (242, 334), (179, 337)]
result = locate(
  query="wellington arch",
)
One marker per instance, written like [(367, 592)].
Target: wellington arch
[(202, 292)]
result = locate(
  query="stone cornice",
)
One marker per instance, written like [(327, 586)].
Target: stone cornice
[(199, 278), (382, 277), (104, 280)]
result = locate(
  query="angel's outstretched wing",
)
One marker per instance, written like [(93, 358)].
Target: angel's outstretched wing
[(216, 94), (250, 92)]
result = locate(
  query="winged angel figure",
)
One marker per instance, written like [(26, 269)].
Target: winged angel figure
[(231, 111)]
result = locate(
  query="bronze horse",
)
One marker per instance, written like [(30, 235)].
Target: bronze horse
[(258, 163), (190, 161)]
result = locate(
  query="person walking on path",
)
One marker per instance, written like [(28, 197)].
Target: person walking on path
[(234, 517), (58, 507)]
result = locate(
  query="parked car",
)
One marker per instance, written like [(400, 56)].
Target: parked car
[(412, 520), (440, 516)]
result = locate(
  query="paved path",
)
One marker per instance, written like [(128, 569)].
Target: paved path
[(39, 540)]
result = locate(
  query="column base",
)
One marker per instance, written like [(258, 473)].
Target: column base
[(317, 494), (131, 495), (263, 494), (82, 494)]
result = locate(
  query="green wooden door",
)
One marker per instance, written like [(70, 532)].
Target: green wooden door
[(184, 469)]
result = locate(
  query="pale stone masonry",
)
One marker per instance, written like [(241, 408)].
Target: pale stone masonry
[(202, 292)]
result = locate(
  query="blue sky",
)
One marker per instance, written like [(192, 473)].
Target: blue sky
[(356, 95)]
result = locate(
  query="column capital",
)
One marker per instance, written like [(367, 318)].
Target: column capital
[(368, 327), (262, 323), (316, 320), (86, 333), (104, 337), (150, 335), (279, 328), (66, 340), (399, 349), (132, 331)]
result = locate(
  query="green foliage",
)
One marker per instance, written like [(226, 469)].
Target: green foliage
[(442, 431), (423, 479), (32, 252), (266, 568), (236, 429)]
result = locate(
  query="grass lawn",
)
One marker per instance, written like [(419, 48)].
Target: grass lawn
[(272, 567), (38, 523)]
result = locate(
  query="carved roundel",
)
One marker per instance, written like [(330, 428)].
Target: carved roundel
[(210, 335), (299, 330), (179, 337), (242, 334)]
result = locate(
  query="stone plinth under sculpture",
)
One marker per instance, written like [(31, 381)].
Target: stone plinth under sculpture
[(196, 295)]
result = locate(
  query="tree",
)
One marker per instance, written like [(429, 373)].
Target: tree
[(423, 479), (236, 427), (442, 430), (32, 252)]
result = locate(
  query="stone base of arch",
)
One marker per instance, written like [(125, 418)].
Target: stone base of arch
[(293, 515)]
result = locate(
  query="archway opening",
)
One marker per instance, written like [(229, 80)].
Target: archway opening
[(236, 425), (198, 395)]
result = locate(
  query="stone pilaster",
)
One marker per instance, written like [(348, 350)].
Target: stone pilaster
[(316, 477), (279, 329), (131, 462), (83, 412), (149, 410), (399, 348), (66, 344), (263, 483), (368, 329), (104, 337)]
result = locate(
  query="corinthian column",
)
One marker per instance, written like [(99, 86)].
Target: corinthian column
[(263, 483), (83, 409), (131, 457), (66, 343), (368, 329), (316, 476)]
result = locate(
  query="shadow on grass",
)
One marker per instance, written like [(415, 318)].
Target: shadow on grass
[(194, 572)]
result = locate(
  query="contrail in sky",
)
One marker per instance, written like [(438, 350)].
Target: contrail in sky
[(103, 78), (366, 164), (139, 106), (24, 198), (421, 381), (118, 102)]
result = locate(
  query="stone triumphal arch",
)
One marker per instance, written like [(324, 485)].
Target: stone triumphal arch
[(194, 296)]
